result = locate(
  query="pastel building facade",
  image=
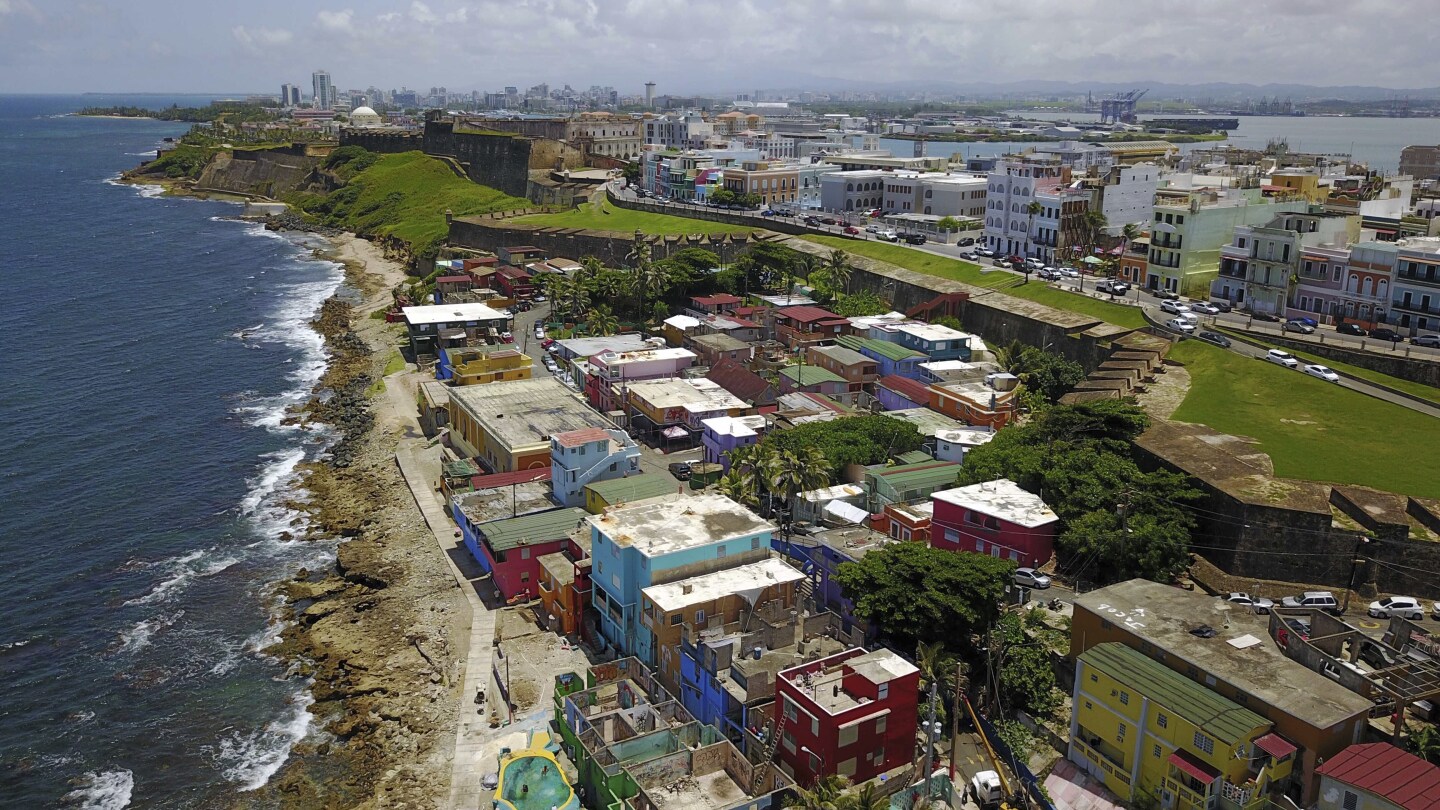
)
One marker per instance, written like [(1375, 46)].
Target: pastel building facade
[(996, 518), (579, 458)]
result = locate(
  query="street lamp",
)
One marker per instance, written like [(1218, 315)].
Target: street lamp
[(805, 749)]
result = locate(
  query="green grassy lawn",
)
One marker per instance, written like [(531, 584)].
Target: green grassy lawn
[(1429, 393), (405, 195), (1311, 429), (970, 273), (606, 217)]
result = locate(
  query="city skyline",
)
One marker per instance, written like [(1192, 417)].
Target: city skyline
[(73, 46)]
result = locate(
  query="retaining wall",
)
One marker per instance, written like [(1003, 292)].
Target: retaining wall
[(1396, 364)]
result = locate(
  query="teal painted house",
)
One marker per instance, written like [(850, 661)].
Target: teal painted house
[(634, 547)]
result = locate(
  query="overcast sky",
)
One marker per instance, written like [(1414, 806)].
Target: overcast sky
[(689, 46)]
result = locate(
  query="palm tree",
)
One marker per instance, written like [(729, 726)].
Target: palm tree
[(1424, 742), (1032, 209), (740, 487), (826, 794), (788, 474), (838, 270), (602, 321), (866, 798), (1011, 356)]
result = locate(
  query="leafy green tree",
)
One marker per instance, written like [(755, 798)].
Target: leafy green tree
[(867, 439), (858, 304), (789, 473), (1050, 374), (950, 321), (916, 593), (602, 321), (722, 196), (1026, 679), (826, 794), (1033, 209), (867, 797), (948, 224), (1424, 742), (740, 486), (838, 270)]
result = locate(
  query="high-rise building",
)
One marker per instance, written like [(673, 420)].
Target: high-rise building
[(289, 95), (649, 94), (323, 88)]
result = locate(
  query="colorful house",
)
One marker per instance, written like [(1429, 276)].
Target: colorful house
[(814, 380), (513, 282), (974, 403), (906, 521), (851, 714), (897, 393), (601, 495), (672, 411), (1149, 733), (934, 341), (581, 457), (822, 554), (1378, 776), (461, 323), (801, 326), (613, 372), (907, 483), (722, 434), (656, 541), (510, 548), (996, 518), (520, 255), (717, 304), (477, 365), (745, 384), (507, 425), (857, 369), (565, 592), (890, 358), (452, 286), (715, 347)]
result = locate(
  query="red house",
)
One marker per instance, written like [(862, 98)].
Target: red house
[(996, 518), (717, 304), (511, 548), (513, 282), (802, 326), (853, 714)]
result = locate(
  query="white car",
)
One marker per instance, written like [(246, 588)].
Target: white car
[(888, 236), (1259, 604), (1030, 578), (985, 251), (1174, 307), (1323, 372), (1282, 357), (1406, 607), (872, 229), (1181, 325), (1205, 307), (539, 332), (539, 299), (1069, 272)]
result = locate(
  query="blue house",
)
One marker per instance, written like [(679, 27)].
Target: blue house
[(891, 357), (934, 341), (634, 547)]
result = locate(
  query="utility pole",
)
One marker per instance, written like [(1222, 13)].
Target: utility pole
[(932, 730), (1360, 540), (960, 684)]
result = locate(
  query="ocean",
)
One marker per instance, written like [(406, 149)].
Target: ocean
[(153, 347)]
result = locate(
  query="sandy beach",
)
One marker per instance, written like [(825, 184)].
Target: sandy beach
[(382, 635)]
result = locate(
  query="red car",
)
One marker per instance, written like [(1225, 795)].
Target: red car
[(851, 229)]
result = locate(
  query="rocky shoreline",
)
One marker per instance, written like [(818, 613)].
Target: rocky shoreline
[(376, 636)]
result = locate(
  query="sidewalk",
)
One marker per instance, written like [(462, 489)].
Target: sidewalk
[(420, 465)]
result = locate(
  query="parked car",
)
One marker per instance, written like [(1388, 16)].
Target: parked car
[(852, 230), (1000, 261), (1433, 341), (966, 242), (915, 239), (1318, 600), (1165, 295), (1351, 329), (827, 220), (1265, 316), (985, 251), (1259, 604), (539, 299), (1205, 307), (1112, 286), (1181, 325), (1223, 306), (1048, 274), (1386, 333), (872, 228), (1374, 654), (1215, 338), (985, 786), (1298, 326), (812, 220), (680, 469), (1406, 607), (1323, 372), (539, 332), (1030, 578), (1174, 307), (1282, 357), (506, 337)]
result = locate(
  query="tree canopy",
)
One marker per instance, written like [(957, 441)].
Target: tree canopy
[(916, 593), (867, 439)]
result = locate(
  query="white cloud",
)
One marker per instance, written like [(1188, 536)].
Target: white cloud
[(421, 13), (335, 20), (260, 39)]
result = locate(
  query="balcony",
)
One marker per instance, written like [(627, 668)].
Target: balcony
[(1404, 306), (1166, 240)]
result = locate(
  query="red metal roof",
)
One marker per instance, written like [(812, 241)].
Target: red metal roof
[(1194, 767), (505, 479), (913, 390), (1276, 746), (738, 380), (454, 280), (719, 299), (807, 314), (575, 438), (511, 271), (1388, 772)]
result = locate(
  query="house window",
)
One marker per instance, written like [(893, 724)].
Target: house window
[(524, 553), (1089, 705), (880, 725), (814, 726), (524, 576), (676, 618), (789, 740), (882, 691), (754, 543), (848, 736), (720, 552), (789, 711), (1120, 733), (1204, 743), (1162, 721), (1124, 698), (1155, 752), (1094, 678), (699, 617)]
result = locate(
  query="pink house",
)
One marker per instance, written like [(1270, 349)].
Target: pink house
[(996, 518), (611, 371)]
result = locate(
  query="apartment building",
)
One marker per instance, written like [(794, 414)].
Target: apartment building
[(1124, 194), (860, 190), (1415, 306), (1257, 265), (606, 134), (582, 457), (775, 183), (996, 518), (1420, 162), (1032, 209), (1189, 226), (688, 130)]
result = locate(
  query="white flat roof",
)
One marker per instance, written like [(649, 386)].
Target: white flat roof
[(590, 346), (659, 526), (450, 313), (832, 493), (931, 331), (697, 396), (1003, 499), (682, 322), (709, 587), (643, 356), (735, 425), (970, 437)]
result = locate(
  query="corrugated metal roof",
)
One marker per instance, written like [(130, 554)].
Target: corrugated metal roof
[(1388, 772), (1223, 719), (634, 488), (913, 390), (884, 348), (538, 527), (905, 476), (810, 375)]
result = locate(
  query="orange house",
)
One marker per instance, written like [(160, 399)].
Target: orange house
[(564, 592), (974, 403)]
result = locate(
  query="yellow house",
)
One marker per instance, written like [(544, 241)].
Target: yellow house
[(1148, 731), (1300, 184), (475, 366)]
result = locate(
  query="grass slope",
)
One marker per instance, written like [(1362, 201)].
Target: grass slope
[(969, 273), (606, 217), (1311, 429), (405, 195), (1429, 393)]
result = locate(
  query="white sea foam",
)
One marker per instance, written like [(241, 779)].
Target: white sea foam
[(250, 759), (14, 645), (105, 790), (138, 637), (143, 189), (275, 474), (184, 569)]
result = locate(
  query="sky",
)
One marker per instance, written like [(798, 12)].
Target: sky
[(702, 46)]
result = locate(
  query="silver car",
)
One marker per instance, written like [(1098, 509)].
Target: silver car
[(1259, 604), (1030, 578), (1406, 607)]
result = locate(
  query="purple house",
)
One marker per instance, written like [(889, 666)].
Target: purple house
[(898, 393), (721, 434), (835, 548)]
